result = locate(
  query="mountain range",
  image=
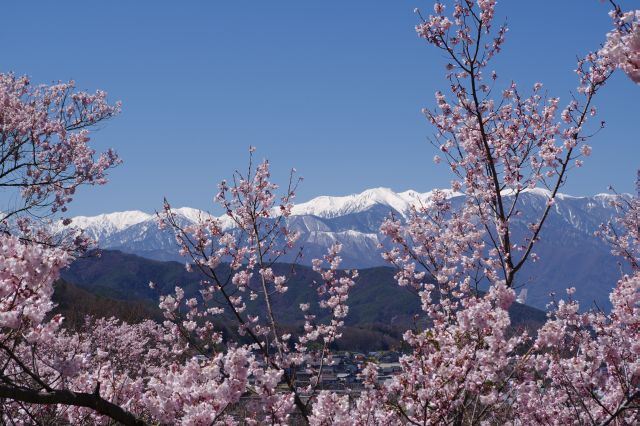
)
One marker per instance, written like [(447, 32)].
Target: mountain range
[(570, 254)]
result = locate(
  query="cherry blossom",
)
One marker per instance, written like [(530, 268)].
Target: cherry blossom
[(622, 47), (464, 362), (45, 152)]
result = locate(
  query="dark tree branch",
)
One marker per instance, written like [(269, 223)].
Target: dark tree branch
[(76, 399)]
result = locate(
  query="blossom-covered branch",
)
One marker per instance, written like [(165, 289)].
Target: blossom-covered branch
[(45, 153)]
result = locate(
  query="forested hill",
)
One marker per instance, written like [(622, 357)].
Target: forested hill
[(376, 299)]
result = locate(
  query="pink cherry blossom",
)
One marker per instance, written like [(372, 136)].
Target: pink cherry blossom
[(464, 363)]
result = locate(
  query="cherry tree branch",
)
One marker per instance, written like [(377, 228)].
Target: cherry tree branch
[(76, 399)]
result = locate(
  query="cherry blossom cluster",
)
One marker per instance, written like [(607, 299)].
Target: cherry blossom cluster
[(111, 370), (333, 294), (237, 258), (622, 47), (465, 363), (499, 147), (469, 367), (623, 233), (585, 367), (44, 149), (253, 239), (45, 154), (199, 392), (27, 274), (461, 361), (108, 358), (436, 248)]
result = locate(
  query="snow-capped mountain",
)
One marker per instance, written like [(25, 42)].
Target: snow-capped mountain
[(103, 226), (571, 254), (330, 207)]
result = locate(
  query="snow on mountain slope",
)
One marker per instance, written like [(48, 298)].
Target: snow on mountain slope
[(573, 209), (102, 226), (330, 207), (571, 254), (193, 215)]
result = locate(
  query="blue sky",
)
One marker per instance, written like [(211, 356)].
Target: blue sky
[(333, 88)]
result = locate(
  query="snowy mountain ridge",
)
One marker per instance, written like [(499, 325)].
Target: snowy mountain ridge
[(323, 206), (571, 254)]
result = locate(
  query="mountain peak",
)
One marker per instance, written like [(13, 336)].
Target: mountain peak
[(105, 224), (401, 202), (117, 220), (328, 207), (380, 191), (192, 214)]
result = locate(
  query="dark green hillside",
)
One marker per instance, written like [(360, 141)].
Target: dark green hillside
[(376, 298), (114, 274), (75, 303)]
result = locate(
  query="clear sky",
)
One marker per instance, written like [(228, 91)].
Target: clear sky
[(333, 88)]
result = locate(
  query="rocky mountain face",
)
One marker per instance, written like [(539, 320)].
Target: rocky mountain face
[(570, 254)]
